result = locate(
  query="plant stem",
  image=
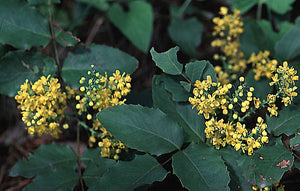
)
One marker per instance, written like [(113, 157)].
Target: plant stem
[(189, 81), (78, 157), (258, 11), (183, 7), (53, 35)]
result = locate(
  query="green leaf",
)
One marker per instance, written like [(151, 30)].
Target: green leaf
[(199, 167), (65, 39), (186, 34), (22, 26), (129, 175), (279, 6), (105, 59), (16, 66), (287, 122), (199, 70), (267, 163), (288, 47), (295, 142), (96, 166), (187, 86), (268, 31), (243, 5), (261, 87), (52, 166), (254, 39), (192, 123), (99, 4), (141, 128), (167, 61), (241, 172), (136, 24), (172, 85), (42, 2)]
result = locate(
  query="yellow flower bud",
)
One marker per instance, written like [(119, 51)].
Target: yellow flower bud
[(65, 126), (89, 117), (82, 88)]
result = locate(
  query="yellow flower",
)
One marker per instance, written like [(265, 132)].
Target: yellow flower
[(42, 105), (228, 29), (89, 116)]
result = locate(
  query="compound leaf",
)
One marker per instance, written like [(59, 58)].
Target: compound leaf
[(288, 47), (52, 166), (186, 34), (127, 175), (96, 165), (287, 122), (136, 24), (16, 66), (200, 167), (167, 61), (270, 162), (192, 123), (22, 26), (141, 128), (279, 6), (241, 172)]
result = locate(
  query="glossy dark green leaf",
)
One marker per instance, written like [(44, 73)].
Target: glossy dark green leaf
[(253, 39), (199, 70), (22, 26), (295, 141), (96, 166), (42, 2), (187, 86), (16, 66), (99, 4), (136, 24), (141, 128), (65, 39), (167, 61), (243, 5), (105, 59), (279, 6), (241, 172), (200, 167), (127, 175), (172, 85), (261, 87), (186, 34), (192, 123), (288, 47), (287, 122), (270, 162), (268, 31), (52, 166)]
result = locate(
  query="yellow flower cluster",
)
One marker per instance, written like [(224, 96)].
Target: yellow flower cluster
[(110, 146), (228, 30), (210, 98), (236, 134), (42, 104), (100, 92), (284, 79), (263, 65), (206, 103)]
